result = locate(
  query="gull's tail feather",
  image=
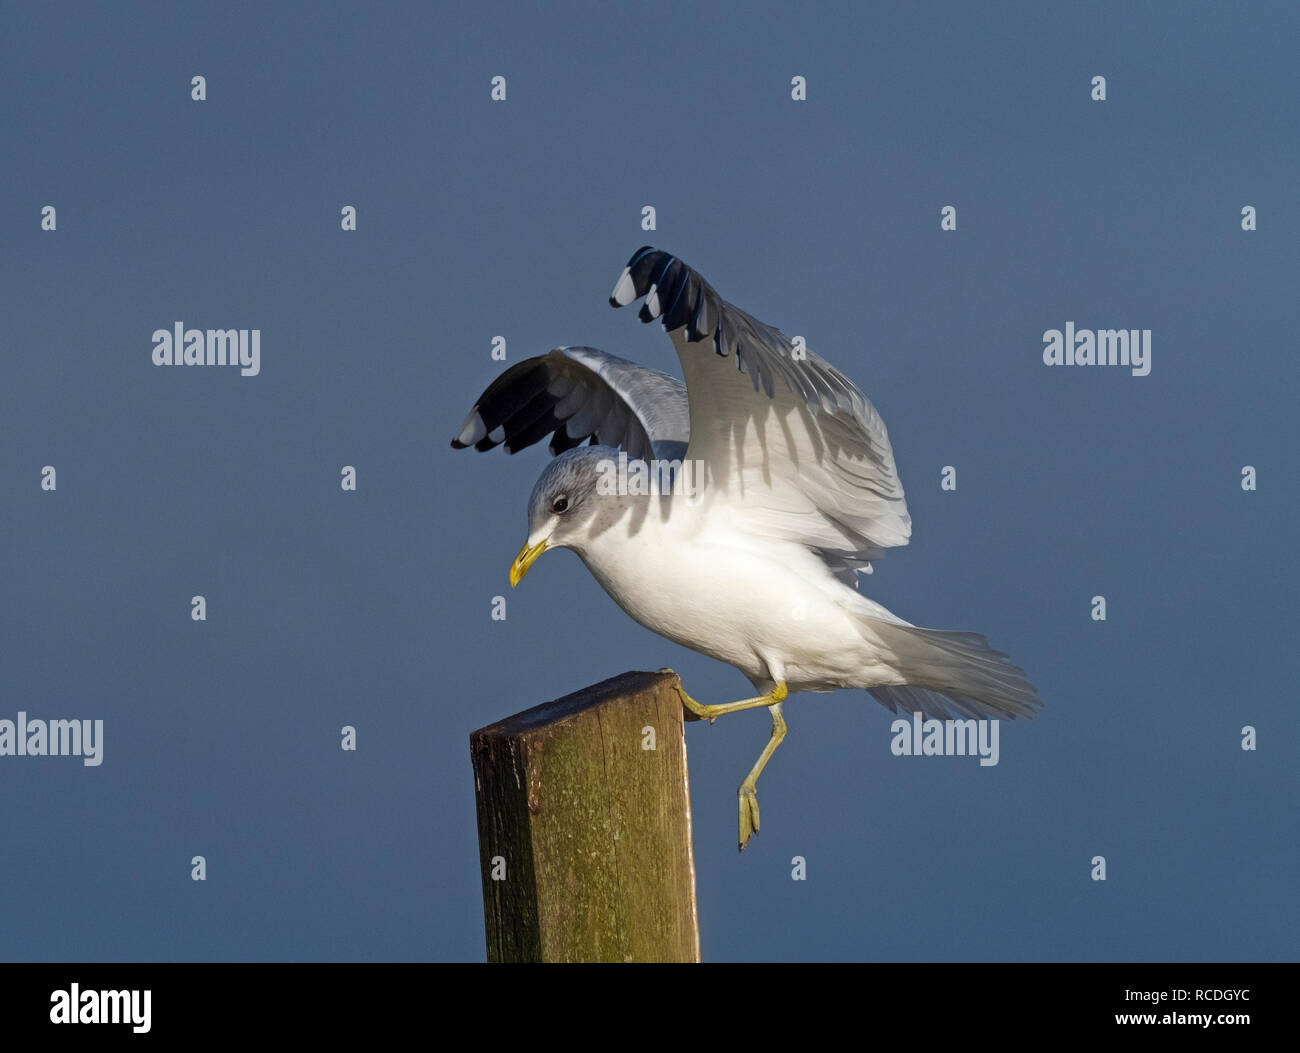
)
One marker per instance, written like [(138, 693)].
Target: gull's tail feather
[(948, 674)]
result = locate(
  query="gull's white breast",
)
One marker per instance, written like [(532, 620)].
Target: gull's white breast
[(769, 608)]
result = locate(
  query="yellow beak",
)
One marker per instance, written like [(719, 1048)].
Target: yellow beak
[(526, 558)]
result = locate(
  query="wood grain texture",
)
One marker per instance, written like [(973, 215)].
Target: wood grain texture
[(594, 829)]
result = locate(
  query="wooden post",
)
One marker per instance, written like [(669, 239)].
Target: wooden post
[(584, 832)]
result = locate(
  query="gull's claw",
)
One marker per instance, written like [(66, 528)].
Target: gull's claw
[(748, 798)]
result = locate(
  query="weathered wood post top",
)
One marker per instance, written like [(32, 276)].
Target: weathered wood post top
[(584, 823)]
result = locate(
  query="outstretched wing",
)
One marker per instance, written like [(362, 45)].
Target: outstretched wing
[(788, 442), (579, 393)]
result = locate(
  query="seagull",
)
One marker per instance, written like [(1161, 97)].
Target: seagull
[(772, 487)]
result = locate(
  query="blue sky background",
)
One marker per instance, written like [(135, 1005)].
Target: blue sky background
[(476, 219)]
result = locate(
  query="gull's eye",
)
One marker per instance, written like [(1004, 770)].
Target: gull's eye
[(560, 505)]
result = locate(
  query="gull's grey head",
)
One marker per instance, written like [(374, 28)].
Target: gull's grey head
[(563, 504), (564, 498)]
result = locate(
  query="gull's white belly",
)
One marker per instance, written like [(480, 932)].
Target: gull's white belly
[(772, 611)]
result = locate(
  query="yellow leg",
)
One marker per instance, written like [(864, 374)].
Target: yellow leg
[(749, 788), (711, 713), (748, 793)]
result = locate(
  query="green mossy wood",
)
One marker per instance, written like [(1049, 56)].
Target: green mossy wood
[(594, 829)]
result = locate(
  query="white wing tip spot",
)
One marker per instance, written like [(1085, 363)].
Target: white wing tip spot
[(624, 292), (473, 430)]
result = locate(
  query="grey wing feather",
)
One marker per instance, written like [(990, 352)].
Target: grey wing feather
[(805, 453), (578, 393)]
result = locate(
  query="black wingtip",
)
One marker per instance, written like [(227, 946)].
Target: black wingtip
[(632, 284), (682, 298)]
